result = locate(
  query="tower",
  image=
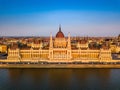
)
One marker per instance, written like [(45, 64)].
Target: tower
[(51, 42), (69, 47), (51, 47), (60, 28), (69, 42)]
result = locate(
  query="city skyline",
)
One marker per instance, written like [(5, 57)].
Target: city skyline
[(39, 18)]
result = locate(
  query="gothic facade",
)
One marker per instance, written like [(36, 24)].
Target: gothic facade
[(60, 50)]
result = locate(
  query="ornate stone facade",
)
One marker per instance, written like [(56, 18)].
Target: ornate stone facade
[(60, 50)]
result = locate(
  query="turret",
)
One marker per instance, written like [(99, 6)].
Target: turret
[(51, 42), (69, 41)]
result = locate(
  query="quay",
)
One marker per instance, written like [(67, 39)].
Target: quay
[(68, 64), (59, 63), (64, 66)]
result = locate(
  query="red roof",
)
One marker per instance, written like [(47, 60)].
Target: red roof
[(59, 34)]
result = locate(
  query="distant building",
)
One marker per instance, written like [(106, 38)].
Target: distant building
[(115, 46), (3, 48), (119, 37)]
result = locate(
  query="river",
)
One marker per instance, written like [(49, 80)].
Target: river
[(59, 79)]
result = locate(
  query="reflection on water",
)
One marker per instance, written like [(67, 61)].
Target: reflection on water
[(59, 79)]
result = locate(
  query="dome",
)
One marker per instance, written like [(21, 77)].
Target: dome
[(59, 34)]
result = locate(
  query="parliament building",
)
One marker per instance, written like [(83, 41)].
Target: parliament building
[(59, 50)]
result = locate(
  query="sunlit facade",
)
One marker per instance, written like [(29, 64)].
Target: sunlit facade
[(3, 48), (60, 50)]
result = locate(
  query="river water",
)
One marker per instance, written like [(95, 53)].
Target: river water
[(59, 79)]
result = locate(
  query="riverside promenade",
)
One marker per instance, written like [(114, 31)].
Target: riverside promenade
[(59, 66), (68, 64)]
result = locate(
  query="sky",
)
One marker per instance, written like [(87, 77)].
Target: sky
[(42, 17)]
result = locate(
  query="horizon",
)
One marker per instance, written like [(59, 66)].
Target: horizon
[(92, 18)]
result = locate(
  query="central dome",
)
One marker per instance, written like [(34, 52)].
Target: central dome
[(59, 34)]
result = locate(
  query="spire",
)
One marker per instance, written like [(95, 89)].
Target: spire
[(59, 33), (69, 47), (51, 42), (69, 41), (59, 27)]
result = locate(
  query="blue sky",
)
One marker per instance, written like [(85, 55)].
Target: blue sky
[(40, 17)]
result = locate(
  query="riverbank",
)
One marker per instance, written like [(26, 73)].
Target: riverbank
[(59, 65)]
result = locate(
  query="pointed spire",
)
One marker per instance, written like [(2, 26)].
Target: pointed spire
[(69, 41), (50, 35), (59, 27), (51, 42), (69, 35)]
